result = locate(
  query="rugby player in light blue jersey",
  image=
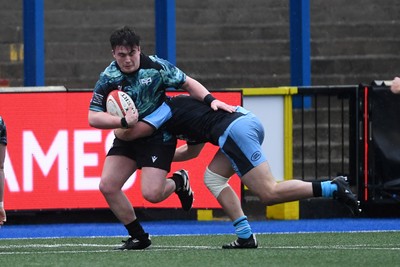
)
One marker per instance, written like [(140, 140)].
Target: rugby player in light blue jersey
[(239, 136)]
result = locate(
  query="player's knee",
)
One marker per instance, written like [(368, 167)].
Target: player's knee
[(268, 197), (215, 182), (266, 193), (153, 196), (106, 187)]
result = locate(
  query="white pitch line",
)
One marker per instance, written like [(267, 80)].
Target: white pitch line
[(54, 252), (338, 247), (171, 248), (53, 245)]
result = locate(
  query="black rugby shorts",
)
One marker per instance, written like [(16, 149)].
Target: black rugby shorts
[(146, 153)]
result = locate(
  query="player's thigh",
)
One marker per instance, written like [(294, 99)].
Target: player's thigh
[(153, 179), (221, 165), (116, 170), (259, 179)]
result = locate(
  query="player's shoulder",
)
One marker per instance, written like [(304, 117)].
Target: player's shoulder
[(150, 62), (162, 63), (111, 72)]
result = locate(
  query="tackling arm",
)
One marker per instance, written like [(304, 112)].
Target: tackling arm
[(198, 91), (103, 120)]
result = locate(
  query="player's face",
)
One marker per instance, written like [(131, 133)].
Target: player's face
[(128, 58)]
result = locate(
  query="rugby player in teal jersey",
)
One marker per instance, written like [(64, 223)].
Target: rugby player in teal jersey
[(145, 79)]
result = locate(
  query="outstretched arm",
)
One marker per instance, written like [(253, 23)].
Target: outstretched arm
[(198, 91)]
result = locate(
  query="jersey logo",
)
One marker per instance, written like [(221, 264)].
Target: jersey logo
[(154, 158), (146, 81), (256, 156)]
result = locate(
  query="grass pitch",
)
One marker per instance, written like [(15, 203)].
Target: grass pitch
[(302, 249)]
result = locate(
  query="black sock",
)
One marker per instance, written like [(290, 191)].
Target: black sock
[(317, 189), (134, 228), (178, 182)]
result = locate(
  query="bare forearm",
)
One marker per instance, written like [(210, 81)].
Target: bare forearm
[(195, 89), (103, 120), (139, 130), (198, 91)]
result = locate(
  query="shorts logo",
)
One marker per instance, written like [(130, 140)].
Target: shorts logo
[(256, 156), (146, 81), (154, 158)]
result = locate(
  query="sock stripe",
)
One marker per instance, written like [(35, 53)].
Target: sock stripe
[(242, 227), (239, 220)]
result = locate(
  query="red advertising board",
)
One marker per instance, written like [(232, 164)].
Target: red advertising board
[(54, 158)]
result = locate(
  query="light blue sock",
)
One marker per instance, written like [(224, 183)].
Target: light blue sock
[(242, 227), (328, 188)]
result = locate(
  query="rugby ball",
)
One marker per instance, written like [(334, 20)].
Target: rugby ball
[(118, 103)]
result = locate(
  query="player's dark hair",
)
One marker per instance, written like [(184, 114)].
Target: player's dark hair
[(124, 37)]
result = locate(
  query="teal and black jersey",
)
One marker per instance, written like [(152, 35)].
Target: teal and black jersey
[(146, 86), (3, 132)]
